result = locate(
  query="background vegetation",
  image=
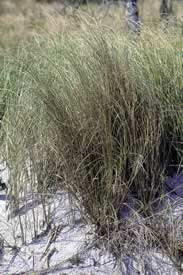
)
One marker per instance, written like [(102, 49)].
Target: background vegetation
[(87, 108)]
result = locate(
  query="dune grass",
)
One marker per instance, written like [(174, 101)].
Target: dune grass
[(99, 114)]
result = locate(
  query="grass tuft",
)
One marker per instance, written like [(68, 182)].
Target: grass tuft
[(101, 113)]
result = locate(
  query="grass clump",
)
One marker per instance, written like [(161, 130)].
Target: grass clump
[(107, 116), (115, 111)]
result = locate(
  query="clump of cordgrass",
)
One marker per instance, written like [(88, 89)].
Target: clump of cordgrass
[(115, 112), (110, 125)]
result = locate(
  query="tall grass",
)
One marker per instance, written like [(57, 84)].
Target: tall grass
[(101, 113)]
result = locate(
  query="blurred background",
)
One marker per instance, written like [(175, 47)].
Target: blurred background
[(20, 18)]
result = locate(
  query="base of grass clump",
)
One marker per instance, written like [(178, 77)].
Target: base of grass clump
[(114, 111)]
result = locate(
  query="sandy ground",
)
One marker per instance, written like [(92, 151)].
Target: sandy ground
[(67, 248)]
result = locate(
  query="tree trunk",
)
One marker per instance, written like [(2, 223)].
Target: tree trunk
[(164, 9), (133, 16)]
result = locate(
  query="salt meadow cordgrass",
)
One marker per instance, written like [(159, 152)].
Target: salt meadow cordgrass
[(102, 113)]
